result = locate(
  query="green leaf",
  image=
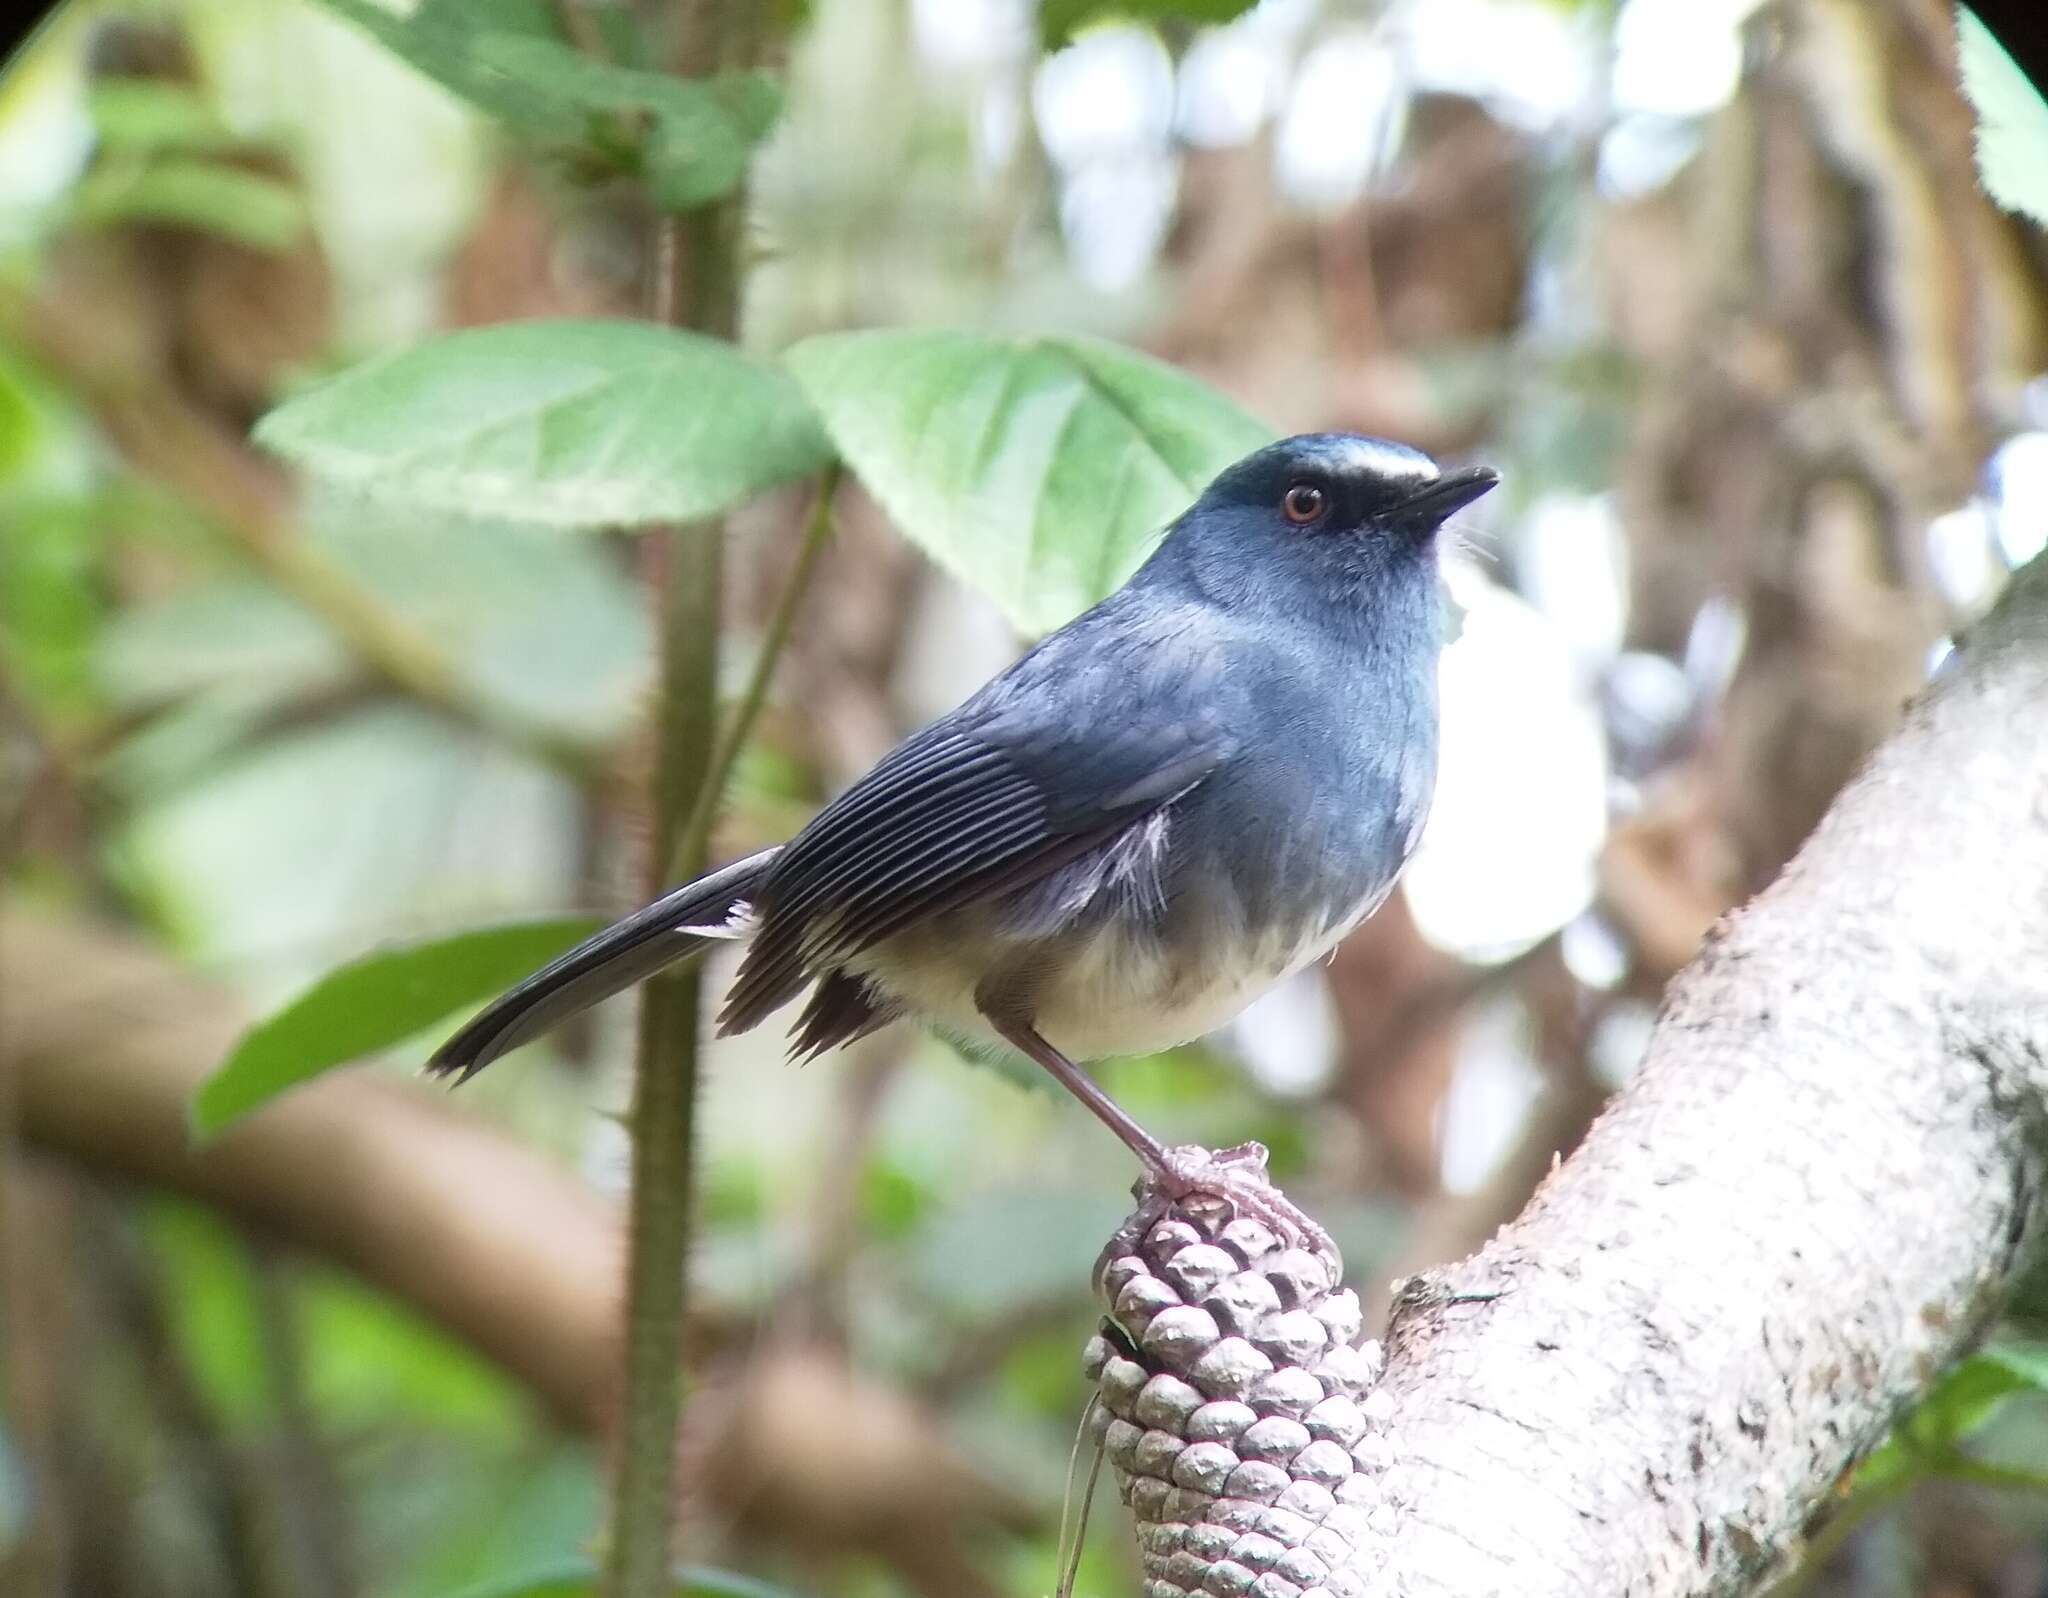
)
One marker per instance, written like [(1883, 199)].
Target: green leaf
[(1060, 20), (2027, 1361), (1961, 1402), (440, 39), (699, 146), (703, 129), (2012, 121), (371, 1004), (568, 423), (691, 138), (578, 1579), (1041, 470), (247, 207)]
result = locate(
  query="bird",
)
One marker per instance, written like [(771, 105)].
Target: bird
[(1157, 813)]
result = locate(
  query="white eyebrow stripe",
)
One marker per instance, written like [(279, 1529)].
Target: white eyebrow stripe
[(1364, 455)]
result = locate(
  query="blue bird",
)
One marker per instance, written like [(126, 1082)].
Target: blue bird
[(1160, 811)]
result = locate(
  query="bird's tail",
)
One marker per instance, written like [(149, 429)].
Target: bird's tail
[(674, 927)]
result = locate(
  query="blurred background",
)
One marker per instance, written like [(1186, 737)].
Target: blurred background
[(1711, 282)]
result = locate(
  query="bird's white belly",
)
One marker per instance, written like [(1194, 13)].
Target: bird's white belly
[(1121, 994)]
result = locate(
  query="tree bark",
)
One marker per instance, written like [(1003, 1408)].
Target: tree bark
[(1808, 1200)]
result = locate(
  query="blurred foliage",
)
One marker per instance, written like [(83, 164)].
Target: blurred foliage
[(244, 206), (1059, 20), (165, 156), (691, 140), (1962, 1405), (579, 1580), (445, 39)]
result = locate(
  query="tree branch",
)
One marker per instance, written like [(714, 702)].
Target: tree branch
[(104, 1041), (1809, 1199)]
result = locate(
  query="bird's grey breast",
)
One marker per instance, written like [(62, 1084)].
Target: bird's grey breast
[(1304, 834), (1261, 867)]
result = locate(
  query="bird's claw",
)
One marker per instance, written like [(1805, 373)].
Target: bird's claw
[(1235, 1179)]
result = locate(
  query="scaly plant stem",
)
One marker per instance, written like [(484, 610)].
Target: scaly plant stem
[(693, 280)]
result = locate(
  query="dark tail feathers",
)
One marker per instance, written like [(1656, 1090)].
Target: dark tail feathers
[(605, 963)]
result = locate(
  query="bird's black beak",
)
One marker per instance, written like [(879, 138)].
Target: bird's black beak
[(1444, 498)]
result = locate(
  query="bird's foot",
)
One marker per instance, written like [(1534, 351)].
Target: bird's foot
[(1236, 1180)]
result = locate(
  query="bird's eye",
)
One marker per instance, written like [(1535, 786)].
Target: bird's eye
[(1303, 503)]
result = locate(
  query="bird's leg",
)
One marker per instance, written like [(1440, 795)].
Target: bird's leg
[(1236, 1177), (1021, 1036)]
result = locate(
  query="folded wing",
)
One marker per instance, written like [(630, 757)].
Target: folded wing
[(965, 811)]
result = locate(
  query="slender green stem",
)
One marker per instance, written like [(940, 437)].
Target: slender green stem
[(693, 844), (693, 285), (663, 1118), (1862, 1504)]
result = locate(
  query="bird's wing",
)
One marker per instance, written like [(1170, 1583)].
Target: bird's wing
[(978, 804)]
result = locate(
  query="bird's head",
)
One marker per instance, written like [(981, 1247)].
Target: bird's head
[(1332, 515)]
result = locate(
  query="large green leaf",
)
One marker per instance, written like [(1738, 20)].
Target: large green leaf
[(1059, 20), (2012, 121), (578, 1579), (1039, 469), (371, 1004), (570, 423)]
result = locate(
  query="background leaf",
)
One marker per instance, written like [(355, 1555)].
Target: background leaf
[(244, 206), (372, 1003), (703, 129), (51, 608), (145, 114), (1962, 1402), (440, 39), (571, 423), (1041, 470), (2012, 121)]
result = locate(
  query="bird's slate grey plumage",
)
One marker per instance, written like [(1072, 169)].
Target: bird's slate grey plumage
[(1162, 809)]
